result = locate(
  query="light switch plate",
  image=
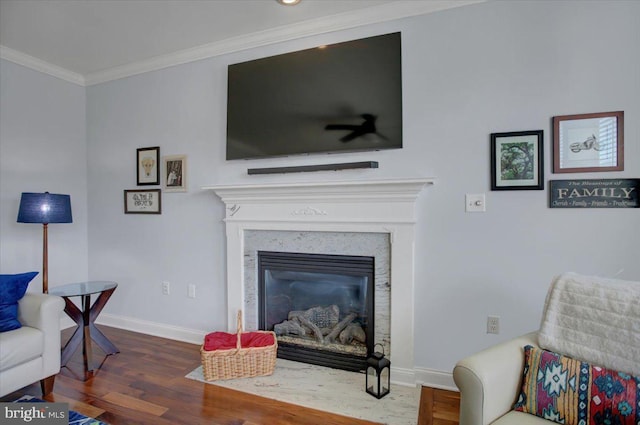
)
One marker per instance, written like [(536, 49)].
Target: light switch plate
[(475, 202)]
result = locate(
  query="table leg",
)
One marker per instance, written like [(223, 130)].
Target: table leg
[(99, 338), (86, 338), (72, 344), (87, 330)]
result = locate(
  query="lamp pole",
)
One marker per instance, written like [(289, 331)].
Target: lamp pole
[(45, 258)]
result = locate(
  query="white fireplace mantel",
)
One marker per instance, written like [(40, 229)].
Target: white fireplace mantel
[(384, 206)]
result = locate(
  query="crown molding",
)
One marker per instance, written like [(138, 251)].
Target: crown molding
[(373, 15), (383, 13), (41, 66)]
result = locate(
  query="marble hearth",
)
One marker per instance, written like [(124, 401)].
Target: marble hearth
[(304, 216)]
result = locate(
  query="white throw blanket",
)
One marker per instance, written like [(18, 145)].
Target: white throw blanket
[(595, 320)]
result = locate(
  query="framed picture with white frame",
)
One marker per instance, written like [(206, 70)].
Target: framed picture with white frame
[(174, 173)]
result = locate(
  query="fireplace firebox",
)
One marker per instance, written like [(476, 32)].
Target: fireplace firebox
[(320, 306)]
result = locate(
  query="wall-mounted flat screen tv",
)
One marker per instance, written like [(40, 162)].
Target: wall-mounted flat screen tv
[(334, 98)]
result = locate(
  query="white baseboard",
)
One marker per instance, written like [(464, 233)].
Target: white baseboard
[(423, 376), (404, 377), (407, 377), (435, 379), (152, 328)]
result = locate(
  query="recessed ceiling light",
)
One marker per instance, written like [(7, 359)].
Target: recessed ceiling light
[(288, 2)]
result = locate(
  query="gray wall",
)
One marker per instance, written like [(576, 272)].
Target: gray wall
[(42, 148), (509, 66), (468, 72)]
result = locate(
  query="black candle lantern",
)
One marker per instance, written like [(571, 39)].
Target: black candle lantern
[(378, 380)]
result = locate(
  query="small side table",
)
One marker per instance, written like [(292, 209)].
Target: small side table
[(85, 319)]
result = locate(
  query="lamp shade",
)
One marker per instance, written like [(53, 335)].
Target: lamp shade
[(44, 208)]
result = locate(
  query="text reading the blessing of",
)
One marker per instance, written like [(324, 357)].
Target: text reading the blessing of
[(600, 193)]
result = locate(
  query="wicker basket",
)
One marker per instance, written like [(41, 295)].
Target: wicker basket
[(239, 362)]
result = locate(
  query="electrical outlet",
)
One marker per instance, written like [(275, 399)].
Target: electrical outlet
[(165, 288), (493, 324), (192, 290)]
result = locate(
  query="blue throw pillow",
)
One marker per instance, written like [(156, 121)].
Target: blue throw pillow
[(12, 289)]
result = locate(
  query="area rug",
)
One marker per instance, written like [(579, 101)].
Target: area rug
[(329, 390), (75, 418)]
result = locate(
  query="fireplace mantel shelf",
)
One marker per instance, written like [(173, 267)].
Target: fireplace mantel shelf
[(352, 201), (382, 206), (353, 184), (321, 190)]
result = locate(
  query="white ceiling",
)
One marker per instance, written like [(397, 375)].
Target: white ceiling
[(96, 40)]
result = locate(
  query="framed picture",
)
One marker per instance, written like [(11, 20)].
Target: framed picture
[(174, 175), (148, 166), (143, 201), (517, 160), (588, 142)]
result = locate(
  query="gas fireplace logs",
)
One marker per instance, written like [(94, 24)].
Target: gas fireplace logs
[(323, 324)]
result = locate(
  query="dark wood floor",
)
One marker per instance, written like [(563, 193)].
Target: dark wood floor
[(145, 384), (439, 407)]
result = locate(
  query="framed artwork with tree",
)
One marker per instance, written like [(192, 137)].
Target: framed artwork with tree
[(517, 160)]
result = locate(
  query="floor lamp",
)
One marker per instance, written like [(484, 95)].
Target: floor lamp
[(44, 208)]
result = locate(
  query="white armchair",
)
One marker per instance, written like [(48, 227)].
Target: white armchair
[(489, 383), (32, 352), (590, 319)]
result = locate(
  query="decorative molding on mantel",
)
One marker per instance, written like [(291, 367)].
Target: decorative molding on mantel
[(389, 201), (406, 187), (385, 206), (309, 211)]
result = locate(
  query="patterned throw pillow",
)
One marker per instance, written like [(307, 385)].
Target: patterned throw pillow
[(572, 392)]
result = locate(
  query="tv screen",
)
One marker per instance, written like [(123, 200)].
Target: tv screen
[(339, 97)]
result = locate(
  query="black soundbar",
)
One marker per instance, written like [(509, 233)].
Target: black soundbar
[(320, 167)]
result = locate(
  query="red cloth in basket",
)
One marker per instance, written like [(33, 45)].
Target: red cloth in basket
[(227, 341)]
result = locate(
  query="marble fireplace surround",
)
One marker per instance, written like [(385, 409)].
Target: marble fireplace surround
[(383, 206)]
